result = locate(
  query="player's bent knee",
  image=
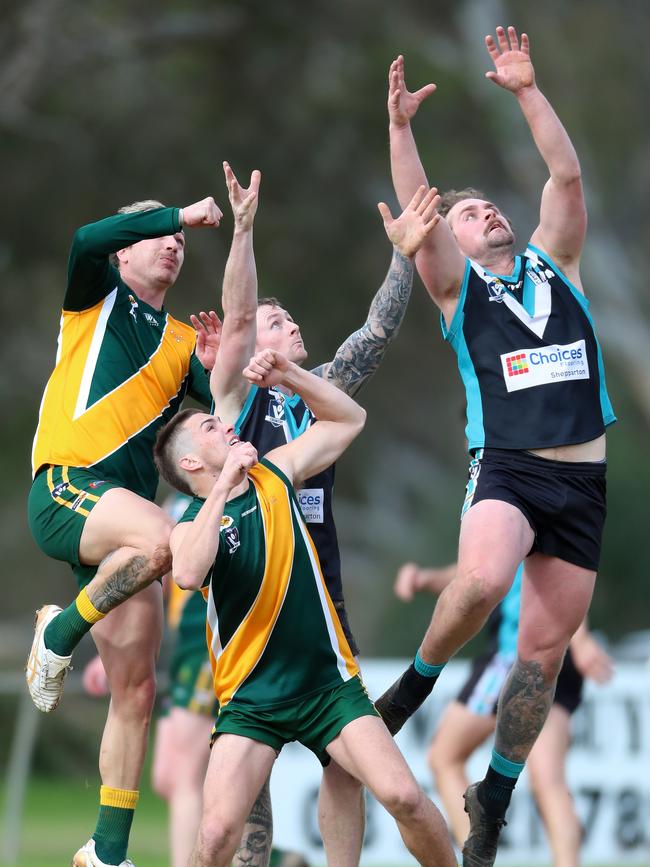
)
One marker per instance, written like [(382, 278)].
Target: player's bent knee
[(404, 801), (437, 759), (135, 696), (216, 837), (482, 589)]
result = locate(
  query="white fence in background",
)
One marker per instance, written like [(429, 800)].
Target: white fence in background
[(608, 770)]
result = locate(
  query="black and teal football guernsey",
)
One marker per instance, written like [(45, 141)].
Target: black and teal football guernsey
[(122, 367), (528, 357), (273, 632), (270, 419)]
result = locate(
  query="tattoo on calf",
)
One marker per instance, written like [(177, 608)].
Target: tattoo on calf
[(523, 707), (254, 849), (358, 358)]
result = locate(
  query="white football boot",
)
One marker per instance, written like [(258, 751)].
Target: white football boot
[(87, 857), (45, 670)]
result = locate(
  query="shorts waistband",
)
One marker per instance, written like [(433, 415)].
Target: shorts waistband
[(535, 463)]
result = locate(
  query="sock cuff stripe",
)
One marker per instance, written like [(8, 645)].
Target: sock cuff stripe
[(425, 669), (86, 608), (124, 798), (505, 767)]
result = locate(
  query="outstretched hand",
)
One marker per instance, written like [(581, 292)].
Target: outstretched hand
[(243, 201), (513, 67), (203, 213), (208, 337), (402, 104), (266, 368), (409, 231)]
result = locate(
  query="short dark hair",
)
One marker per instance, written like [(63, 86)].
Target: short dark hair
[(163, 451), (452, 197), (271, 301)]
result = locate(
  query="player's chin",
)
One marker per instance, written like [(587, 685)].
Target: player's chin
[(298, 354)]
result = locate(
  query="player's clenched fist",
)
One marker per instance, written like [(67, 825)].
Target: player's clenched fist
[(203, 213), (241, 457), (267, 368)]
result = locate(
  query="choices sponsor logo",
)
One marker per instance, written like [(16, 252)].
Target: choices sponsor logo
[(525, 368), (312, 502), (516, 364)]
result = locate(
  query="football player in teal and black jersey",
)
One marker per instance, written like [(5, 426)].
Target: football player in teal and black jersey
[(122, 369), (283, 669), (270, 417), (537, 409)]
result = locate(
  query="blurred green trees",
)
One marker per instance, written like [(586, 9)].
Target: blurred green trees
[(102, 103)]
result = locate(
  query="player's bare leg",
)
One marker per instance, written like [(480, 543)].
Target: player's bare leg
[(365, 749)]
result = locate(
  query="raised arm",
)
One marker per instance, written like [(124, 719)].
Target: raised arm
[(239, 302), (91, 275), (440, 263), (563, 217), (194, 544), (340, 419), (361, 353)]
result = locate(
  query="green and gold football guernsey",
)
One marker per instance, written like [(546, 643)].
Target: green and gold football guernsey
[(122, 367), (272, 629)]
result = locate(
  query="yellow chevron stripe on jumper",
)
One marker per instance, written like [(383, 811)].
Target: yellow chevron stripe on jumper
[(331, 616), (110, 422), (245, 648)]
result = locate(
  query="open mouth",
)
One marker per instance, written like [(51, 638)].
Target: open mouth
[(233, 441)]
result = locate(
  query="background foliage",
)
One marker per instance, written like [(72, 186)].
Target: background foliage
[(103, 103)]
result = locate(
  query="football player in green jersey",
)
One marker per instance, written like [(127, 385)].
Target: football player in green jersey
[(123, 367), (282, 667)]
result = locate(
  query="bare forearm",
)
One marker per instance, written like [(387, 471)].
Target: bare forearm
[(239, 298), (406, 166), (327, 402), (195, 553), (549, 135), (360, 355), (435, 580)]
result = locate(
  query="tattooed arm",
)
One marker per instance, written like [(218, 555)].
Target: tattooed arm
[(360, 355)]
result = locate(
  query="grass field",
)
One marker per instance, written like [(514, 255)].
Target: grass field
[(60, 815)]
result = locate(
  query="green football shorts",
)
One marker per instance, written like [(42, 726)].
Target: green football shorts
[(60, 500), (313, 721)]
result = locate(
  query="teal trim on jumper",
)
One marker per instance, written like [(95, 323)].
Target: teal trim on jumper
[(605, 404), (241, 418), (505, 767), (425, 669)]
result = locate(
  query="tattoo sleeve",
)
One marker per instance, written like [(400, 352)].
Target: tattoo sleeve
[(523, 707), (254, 849), (360, 355)]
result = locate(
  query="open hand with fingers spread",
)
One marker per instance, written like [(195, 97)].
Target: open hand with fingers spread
[(513, 67), (203, 213), (208, 337), (402, 104), (267, 368), (408, 231), (242, 201)]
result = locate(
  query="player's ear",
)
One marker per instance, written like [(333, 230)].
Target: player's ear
[(190, 463), (123, 255)]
